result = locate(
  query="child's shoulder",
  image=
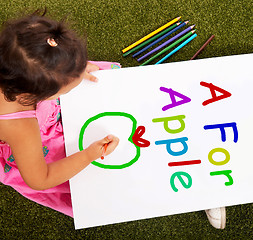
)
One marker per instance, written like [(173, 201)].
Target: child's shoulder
[(10, 126), (13, 131)]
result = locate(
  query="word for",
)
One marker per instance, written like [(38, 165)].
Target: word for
[(183, 140)]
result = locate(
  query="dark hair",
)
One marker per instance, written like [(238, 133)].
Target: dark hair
[(30, 66)]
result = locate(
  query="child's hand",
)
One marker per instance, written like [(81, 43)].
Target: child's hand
[(90, 68), (95, 150)]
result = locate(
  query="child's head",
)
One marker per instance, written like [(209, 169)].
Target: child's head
[(38, 57)]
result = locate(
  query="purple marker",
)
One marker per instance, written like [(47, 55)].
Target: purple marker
[(166, 43)]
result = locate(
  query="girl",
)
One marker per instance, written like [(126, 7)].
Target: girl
[(40, 59)]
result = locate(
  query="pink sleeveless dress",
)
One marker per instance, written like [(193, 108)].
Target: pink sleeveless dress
[(49, 119)]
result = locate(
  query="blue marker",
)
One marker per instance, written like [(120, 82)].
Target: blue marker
[(177, 48)]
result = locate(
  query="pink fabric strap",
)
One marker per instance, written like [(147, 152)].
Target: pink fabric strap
[(17, 115)]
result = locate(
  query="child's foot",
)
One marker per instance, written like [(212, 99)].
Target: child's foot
[(217, 217)]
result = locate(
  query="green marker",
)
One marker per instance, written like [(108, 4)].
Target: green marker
[(151, 39), (169, 47)]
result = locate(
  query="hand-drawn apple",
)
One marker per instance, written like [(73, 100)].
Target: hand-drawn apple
[(135, 138)]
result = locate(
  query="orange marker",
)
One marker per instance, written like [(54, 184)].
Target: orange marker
[(104, 150)]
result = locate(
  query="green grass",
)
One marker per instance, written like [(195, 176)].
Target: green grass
[(110, 27)]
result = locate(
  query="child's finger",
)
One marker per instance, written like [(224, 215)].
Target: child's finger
[(108, 139), (112, 142), (90, 77)]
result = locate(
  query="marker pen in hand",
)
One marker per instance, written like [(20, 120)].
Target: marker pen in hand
[(104, 150)]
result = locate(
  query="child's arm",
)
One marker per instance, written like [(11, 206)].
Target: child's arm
[(23, 136)]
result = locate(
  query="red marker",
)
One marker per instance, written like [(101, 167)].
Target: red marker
[(104, 150)]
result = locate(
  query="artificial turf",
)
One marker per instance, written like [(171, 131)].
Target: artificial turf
[(111, 26)]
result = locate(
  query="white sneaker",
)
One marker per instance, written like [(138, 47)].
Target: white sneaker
[(217, 217)]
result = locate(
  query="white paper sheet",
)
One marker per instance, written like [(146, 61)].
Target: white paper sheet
[(137, 183)]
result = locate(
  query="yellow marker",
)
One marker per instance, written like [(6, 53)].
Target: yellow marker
[(151, 34)]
